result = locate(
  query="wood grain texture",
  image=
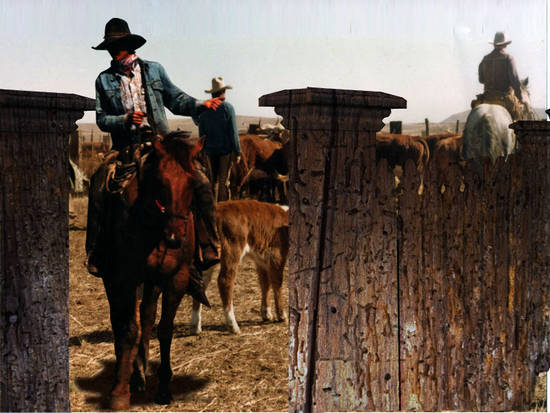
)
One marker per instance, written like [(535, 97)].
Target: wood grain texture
[(415, 343), (423, 293), (34, 258)]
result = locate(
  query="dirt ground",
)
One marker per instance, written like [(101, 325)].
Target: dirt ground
[(216, 371)]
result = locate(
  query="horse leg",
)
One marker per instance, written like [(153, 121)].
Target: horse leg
[(170, 303), (125, 320), (148, 314), (226, 282)]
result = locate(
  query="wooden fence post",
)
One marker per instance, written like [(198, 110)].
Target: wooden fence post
[(427, 123), (34, 253), (338, 325), (534, 141), (396, 127)]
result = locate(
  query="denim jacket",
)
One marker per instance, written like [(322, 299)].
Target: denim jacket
[(159, 92), (220, 129)]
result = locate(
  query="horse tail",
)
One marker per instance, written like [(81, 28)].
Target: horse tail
[(489, 137), (481, 134)]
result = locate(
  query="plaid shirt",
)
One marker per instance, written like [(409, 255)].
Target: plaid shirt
[(132, 92)]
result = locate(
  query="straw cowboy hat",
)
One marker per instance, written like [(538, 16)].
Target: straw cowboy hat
[(218, 85), (500, 39), (117, 34)]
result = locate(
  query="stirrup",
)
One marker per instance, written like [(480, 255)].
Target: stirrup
[(205, 261), (205, 264)]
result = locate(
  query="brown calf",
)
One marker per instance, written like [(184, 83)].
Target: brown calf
[(264, 163), (397, 149), (432, 140), (260, 230), (447, 152)]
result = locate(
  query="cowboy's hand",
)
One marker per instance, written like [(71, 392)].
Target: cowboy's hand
[(213, 103), (137, 117), (238, 159)]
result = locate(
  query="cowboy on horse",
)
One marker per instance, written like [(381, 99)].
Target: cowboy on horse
[(498, 74), (130, 99)]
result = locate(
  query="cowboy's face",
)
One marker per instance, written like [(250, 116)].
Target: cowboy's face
[(221, 96), (117, 54)]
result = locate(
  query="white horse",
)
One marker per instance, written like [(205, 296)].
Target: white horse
[(487, 131)]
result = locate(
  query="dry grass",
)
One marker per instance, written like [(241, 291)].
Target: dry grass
[(215, 371), (538, 403), (89, 162)]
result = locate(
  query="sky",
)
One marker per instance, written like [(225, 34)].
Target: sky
[(426, 51)]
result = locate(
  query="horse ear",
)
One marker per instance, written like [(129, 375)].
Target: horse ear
[(197, 147), (159, 148), (525, 81)]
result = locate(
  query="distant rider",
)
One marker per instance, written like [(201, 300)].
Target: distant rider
[(498, 74)]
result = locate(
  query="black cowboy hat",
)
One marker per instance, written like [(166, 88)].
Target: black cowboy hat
[(117, 35)]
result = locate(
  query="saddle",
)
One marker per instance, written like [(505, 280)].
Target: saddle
[(122, 166), (507, 100)]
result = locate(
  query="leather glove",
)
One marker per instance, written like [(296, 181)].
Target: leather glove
[(213, 103), (137, 117)]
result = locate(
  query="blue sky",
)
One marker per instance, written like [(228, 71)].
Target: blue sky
[(426, 51)]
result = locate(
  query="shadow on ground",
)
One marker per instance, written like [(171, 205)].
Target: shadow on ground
[(183, 386), (180, 330)]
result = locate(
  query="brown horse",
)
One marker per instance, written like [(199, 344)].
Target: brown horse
[(150, 251)]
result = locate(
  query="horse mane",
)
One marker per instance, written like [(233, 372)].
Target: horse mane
[(528, 110), (181, 146)]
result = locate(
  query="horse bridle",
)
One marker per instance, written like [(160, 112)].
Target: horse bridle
[(174, 242)]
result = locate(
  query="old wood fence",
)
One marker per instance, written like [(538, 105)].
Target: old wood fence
[(34, 250), (406, 296)]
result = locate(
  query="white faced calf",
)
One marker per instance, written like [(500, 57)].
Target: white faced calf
[(260, 230)]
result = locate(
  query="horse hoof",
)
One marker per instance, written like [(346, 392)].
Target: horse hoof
[(120, 402), (163, 398), (137, 384), (282, 319)]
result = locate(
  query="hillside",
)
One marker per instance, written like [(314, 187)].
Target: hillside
[(461, 116)]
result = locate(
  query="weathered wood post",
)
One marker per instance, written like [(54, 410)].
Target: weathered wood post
[(34, 250), (343, 333), (396, 127), (534, 140)]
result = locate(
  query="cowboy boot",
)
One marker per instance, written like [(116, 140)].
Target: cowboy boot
[(208, 253), (196, 287)]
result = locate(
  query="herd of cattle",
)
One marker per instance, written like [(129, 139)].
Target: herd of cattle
[(443, 149), (263, 169)]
